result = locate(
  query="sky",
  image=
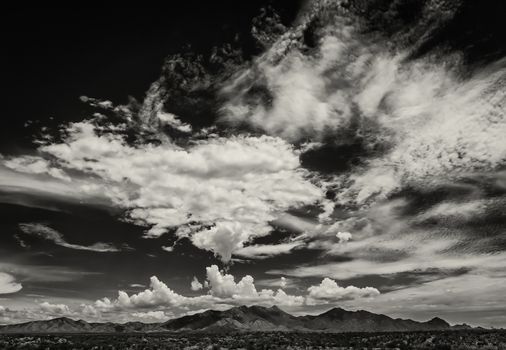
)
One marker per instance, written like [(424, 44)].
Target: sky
[(305, 154)]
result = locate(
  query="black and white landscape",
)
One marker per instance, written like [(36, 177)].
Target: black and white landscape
[(230, 167), (243, 319)]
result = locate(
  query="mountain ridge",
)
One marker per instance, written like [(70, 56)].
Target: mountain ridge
[(243, 319)]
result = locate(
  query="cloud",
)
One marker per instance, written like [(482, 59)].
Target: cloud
[(44, 273), (281, 282), (329, 291), (224, 191), (222, 292), (158, 294), (171, 120), (8, 284), (300, 103), (343, 236), (196, 285), (445, 127), (259, 251), (55, 309), (46, 232)]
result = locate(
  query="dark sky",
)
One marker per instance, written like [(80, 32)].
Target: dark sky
[(56, 54)]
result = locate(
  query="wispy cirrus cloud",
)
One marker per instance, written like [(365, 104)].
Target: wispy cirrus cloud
[(46, 232), (262, 251)]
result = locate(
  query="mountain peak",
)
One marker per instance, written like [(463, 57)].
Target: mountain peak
[(241, 318), (336, 311), (62, 319), (438, 322)]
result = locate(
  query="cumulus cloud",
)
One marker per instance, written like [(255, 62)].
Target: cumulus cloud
[(173, 121), (46, 232), (8, 284), (432, 122), (158, 294), (55, 309), (223, 291), (195, 284), (343, 236), (35, 165), (328, 290), (220, 191), (223, 286)]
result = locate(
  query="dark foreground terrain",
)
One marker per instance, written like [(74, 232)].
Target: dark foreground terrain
[(464, 339)]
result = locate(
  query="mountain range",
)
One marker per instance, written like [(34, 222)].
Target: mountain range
[(243, 319)]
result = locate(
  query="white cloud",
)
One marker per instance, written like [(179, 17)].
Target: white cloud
[(159, 302), (416, 256), (8, 284), (435, 123), (329, 291), (259, 251), (173, 121), (35, 165), (158, 294), (168, 249), (224, 285), (195, 284), (46, 186), (223, 190), (222, 292), (46, 232), (225, 238), (343, 236), (55, 309)]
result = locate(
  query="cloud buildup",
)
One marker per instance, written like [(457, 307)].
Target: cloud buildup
[(46, 232), (220, 191), (55, 309), (329, 290), (223, 292)]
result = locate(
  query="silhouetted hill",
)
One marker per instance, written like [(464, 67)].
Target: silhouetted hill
[(243, 318)]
